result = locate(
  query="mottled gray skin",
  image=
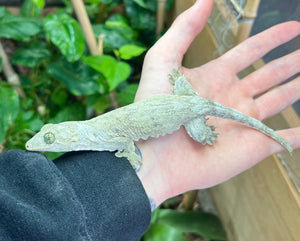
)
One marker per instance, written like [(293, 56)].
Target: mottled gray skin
[(153, 117)]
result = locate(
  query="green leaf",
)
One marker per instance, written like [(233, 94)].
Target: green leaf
[(122, 73), (32, 8), (73, 112), (114, 71), (126, 97), (79, 78), (158, 232), (66, 34), (17, 27), (39, 3), (117, 32), (53, 155), (28, 120), (31, 56), (197, 222), (140, 18), (9, 109), (59, 96), (130, 51), (141, 3), (0, 64), (102, 104)]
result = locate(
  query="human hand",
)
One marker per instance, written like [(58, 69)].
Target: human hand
[(175, 163)]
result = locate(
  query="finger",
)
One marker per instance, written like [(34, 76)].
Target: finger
[(278, 99), (292, 136), (175, 42), (257, 46), (272, 74)]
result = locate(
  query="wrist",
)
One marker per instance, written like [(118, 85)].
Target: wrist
[(150, 175)]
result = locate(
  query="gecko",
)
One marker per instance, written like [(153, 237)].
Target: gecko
[(162, 114)]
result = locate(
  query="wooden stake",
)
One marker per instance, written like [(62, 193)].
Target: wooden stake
[(161, 6), (86, 26), (10, 74)]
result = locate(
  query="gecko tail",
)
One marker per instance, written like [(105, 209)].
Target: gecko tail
[(224, 112)]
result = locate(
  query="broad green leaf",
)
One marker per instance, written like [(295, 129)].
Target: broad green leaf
[(130, 51), (102, 104), (0, 64), (197, 222), (17, 27), (28, 120), (117, 32), (126, 96), (158, 232), (32, 8), (122, 73), (9, 109), (141, 3), (117, 20), (66, 34), (114, 71), (140, 18), (39, 3), (59, 96), (53, 155), (113, 38), (31, 56), (79, 78), (73, 112)]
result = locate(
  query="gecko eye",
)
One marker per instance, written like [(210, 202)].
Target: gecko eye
[(49, 138)]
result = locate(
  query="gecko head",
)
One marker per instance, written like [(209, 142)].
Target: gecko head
[(55, 137)]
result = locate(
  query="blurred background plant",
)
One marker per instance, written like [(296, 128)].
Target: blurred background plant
[(59, 80)]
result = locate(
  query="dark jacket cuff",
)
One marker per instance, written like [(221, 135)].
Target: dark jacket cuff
[(115, 203)]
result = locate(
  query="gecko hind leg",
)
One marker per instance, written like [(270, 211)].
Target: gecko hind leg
[(201, 132)]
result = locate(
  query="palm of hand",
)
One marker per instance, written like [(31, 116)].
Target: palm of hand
[(200, 165), (184, 164)]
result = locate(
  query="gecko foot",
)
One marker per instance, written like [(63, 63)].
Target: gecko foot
[(133, 155), (201, 132)]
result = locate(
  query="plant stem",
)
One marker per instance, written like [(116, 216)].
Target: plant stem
[(189, 199), (11, 76)]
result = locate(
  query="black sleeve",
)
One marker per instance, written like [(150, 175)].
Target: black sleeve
[(79, 196)]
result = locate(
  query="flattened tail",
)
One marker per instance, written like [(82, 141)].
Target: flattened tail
[(224, 112)]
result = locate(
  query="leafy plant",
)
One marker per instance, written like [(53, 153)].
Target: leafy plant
[(168, 224), (56, 70)]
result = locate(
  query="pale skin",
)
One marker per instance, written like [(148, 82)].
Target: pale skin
[(174, 164)]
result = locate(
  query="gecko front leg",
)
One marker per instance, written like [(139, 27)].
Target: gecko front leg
[(181, 86), (130, 151)]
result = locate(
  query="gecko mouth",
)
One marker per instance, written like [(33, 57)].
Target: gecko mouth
[(30, 147)]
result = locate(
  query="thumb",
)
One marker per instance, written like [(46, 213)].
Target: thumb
[(175, 42)]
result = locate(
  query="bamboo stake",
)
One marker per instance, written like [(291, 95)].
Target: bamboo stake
[(91, 40), (86, 26), (161, 6), (100, 43), (10, 74)]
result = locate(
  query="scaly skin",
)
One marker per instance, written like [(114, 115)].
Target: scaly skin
[(153, 117)]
